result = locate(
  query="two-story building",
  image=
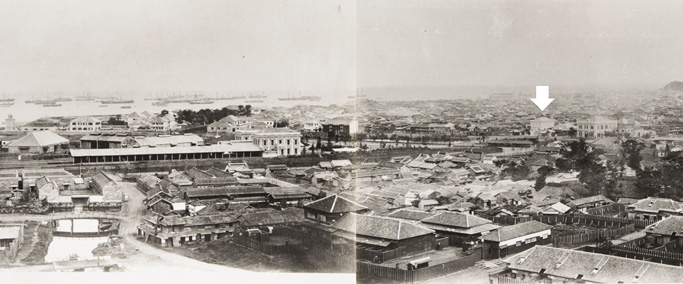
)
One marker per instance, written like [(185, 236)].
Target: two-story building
[(230, 124), (85, 124), (274, 141), (340, 128), (541, 124), (597, 127)]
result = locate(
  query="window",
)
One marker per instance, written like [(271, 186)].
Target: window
[(287, 141), (296, 141), (296, 151), (519, 243)]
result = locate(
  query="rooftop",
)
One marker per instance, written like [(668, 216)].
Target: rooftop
[(511, 232), (380, 227), (592, 267), (39, 139)]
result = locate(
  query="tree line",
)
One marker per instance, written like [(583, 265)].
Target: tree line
[(207, 116)]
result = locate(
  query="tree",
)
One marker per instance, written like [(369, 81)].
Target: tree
[(631, 150), (282, 123), (540, 182), (163, 113), (516, 171), (648, 182), (578, 155), (544, 170)]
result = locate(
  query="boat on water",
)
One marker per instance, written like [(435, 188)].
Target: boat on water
[(301, 98), (258, 96), (6, 104), (103, 105), (84, 98), (126, 106), (41, 102), (231, 98), (159, 103), (200, 102), (52, 104), (6, 99), (63, 99), (254, 101), (117, 101)]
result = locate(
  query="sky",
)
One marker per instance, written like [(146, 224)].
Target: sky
[(423, 43), (145, 46), (332, 47)]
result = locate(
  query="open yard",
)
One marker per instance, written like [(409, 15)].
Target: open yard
[(224, 252)]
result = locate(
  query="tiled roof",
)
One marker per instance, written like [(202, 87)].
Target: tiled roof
[(222, 148), (39, 139), (522, 229), (593, 267), (590, 199), (335, 204), (272, 217), (654, 205), (380, 227), (667, 226), (454, 219), (153, 141), (408, 214)]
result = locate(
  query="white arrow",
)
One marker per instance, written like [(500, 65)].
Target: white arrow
[(542, 99)]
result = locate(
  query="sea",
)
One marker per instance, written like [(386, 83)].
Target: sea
[(23, 112)]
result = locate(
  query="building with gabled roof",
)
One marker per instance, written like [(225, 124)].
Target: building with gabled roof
[(548, 264), (654, 208), (230, 124), (462, 229), (39, 142), (590, 202), (376, 234), (666, 230), (408, 214), (329, 209), (509, 240)]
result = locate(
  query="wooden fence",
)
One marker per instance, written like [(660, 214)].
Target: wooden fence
[(422, 274), (611, 209), (634, 243), (504, 279), (657, 256), (605, 234), (575, 218)]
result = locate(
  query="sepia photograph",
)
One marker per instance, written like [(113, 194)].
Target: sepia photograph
[(341, 141)]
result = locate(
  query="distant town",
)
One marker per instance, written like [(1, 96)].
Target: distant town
[(487, 190)]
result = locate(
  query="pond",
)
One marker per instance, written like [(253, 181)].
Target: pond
[(63, 247)]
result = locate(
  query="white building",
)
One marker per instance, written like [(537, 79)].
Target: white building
[(85, 124), (10, 123), (312, 126), (274, 141), (597, 127), (541, 124), (230, 124)]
